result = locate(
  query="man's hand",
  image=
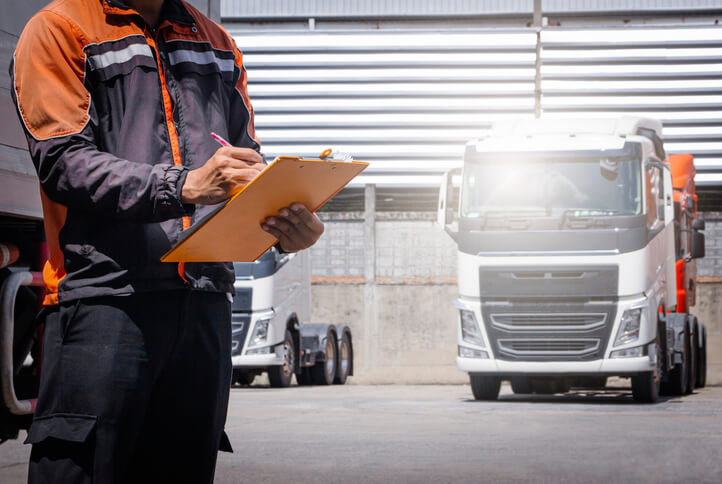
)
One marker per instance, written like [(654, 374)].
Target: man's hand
[(296, 229), (229, 169)]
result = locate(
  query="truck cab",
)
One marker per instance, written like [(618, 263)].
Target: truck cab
[(272, 330), (566, 256)]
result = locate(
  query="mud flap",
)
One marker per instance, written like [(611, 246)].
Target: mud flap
[(225, 444)]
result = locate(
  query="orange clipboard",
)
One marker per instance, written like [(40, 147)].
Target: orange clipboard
[(233, 231)]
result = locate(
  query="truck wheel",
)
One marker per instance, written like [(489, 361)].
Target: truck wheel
[(345, 358), (645, 387), (485, 387), (520, 385), (702, 359), (280, 376), (677, 381), (304, 378), (243, 377), (324, 372)]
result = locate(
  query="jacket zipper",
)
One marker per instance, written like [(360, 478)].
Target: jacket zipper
[(170, 125)]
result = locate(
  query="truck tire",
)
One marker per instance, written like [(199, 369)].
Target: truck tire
[(323, 372), (344, 360), (280, 376), (677, 381), (646, 387), (702, 359), (520, 385), (484, 387), (304, 378), (243, 377)]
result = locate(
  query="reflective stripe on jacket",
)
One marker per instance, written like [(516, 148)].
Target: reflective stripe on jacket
[(115, 114)]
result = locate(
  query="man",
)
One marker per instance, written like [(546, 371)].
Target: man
[(118, 99)]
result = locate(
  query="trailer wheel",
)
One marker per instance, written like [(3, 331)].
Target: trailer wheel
[(702, 359), (304, 378), (280, 376), (677, 382), (485, 387), (323, 373), (646, 387), (520, 385), (345, 359)]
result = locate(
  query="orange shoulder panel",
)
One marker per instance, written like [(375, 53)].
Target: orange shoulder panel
[(49, 70)]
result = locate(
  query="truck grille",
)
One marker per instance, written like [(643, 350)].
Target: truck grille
[(560, 328), (548, 347), (558, 322)]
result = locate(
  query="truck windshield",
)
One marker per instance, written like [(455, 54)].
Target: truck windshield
[(552, 188)]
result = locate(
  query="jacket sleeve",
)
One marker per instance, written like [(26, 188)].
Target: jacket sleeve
[(241, 129), (59, 118)]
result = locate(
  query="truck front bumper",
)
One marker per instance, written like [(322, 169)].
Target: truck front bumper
[(610, 367), (275, 358)]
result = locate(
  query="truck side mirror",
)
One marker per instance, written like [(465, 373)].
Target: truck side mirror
[(448, 208), (697, 249), (698, 224)]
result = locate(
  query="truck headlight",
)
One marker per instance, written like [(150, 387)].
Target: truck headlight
[(260, 333), (470, 331), (629, 327)]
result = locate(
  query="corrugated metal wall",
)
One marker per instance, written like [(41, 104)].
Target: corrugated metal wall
[(276, 9), (407, 100), (674, 74)]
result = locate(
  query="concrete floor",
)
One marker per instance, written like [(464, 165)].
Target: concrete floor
[(431, 434)]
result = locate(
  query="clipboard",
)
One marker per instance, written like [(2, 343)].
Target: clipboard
[(232, 232)]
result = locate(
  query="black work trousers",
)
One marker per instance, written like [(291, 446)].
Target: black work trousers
[(133, 389)]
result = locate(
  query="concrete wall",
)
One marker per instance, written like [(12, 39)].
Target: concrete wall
[(404, 322)]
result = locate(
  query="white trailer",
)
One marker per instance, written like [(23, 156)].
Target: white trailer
[(571, 240), (271, 329)]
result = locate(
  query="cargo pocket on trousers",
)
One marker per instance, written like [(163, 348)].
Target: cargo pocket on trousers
[(225, 444), (62, 440)]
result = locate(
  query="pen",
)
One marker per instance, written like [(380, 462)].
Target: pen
[(220, 140)]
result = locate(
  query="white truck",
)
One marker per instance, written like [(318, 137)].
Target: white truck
[(576, 245), (271, 329)]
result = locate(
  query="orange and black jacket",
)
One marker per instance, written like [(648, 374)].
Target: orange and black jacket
[(116, 113)]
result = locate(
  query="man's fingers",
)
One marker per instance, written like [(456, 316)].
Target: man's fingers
[(243, 175), (291, 216), (280, 236), (244, 154), (284, 226), (306, 216)]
